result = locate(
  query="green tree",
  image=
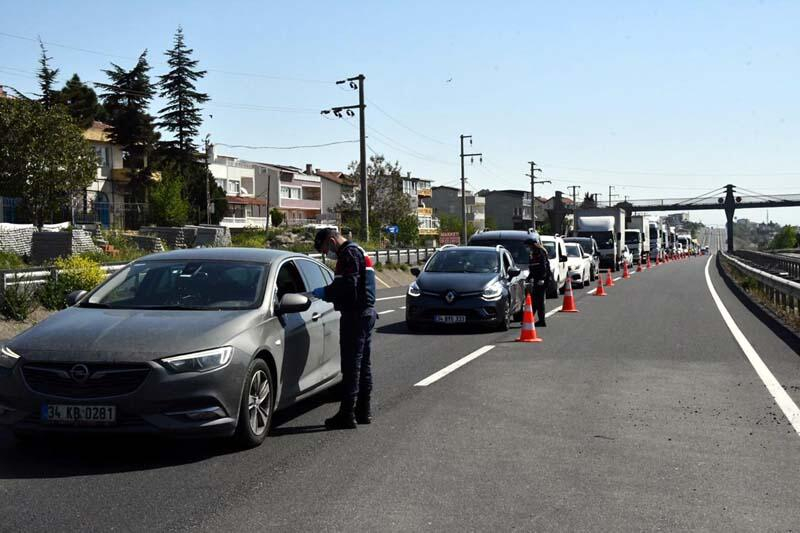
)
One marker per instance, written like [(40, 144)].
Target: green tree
[(181, 116), (126, 99), (47, 78), (449, 223), (44, 158), (786, 238), (276, 217), (408, 230), (81, 102), (388, 204), (168, 205)]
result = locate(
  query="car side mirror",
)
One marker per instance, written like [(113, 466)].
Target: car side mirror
[(415, 271), (513, 272), (586, 256), (293, 303), (563, 259), (74, 297)]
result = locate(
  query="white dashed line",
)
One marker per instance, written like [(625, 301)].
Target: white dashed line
[(454, 366), (390, 298), (403, 307), (554, 311), (386, 312), (777, 391), (591, 291)]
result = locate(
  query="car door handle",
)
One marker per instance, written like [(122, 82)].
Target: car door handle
[(316, 316)]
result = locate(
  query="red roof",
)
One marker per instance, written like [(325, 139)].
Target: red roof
[(335, 176)]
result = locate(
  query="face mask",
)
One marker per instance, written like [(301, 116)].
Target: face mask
[(331, 253)]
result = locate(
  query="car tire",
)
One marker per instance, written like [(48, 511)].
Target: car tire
[(504, 323), (254, 417)]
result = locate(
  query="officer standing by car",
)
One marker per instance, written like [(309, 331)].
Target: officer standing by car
[(538, 277), (353, 294)]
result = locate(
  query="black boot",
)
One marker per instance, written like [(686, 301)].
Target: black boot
[(363, 410), (344, 419)]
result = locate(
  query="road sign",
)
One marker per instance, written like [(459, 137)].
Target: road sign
[(449, 237), (392, 230)]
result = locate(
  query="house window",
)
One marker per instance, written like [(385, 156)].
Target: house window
[(220, 184), (291, 193), (233, 187), (102, 156), (311, 193)]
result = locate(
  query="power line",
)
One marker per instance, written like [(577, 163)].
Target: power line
[(286, 147), (402, 125)]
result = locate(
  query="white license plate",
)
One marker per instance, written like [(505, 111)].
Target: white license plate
[(450, 319), (87, 415)]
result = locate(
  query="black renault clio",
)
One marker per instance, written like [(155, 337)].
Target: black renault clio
[(466, 285)]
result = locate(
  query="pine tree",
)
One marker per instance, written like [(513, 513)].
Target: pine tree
[(47, 77), (81, 102), (181, 116), (126, 100)]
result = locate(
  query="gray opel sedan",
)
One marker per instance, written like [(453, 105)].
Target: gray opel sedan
[(193, 342)]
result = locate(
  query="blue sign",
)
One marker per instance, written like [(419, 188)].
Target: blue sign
[(392, 230)]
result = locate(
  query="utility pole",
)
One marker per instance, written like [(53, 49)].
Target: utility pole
[(610, 188), (574, 190), (207, 143), (534, 170), (463, 185), (357, 82)]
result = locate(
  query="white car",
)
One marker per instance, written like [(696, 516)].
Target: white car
[(558, 264), (579, 265)]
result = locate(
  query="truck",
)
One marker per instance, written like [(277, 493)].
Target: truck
[(656, 236), (686, 240), (637, 237), (607, 226)]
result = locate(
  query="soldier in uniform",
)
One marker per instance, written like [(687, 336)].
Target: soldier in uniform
[(353, 294), (538, 277)]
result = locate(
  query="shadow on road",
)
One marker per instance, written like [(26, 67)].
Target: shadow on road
[(400, 328)]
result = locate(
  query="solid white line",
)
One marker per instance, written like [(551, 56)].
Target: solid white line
[(390, 298), (592, 291), (784, 401), (403, 307), (384, 283), (554, 311), (454, 366), (617, 278), (386, 312)]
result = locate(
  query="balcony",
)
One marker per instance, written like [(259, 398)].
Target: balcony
[(124, 175), (425, 192), (424, 211), (428, 231)]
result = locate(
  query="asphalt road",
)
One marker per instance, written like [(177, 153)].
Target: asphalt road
[(641, 412)]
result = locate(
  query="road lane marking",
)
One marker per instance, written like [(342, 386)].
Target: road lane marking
[(403, 307), (454, 366), (617, 278), (390, 298), (386, 312), (592, 291), (784, 401), (384, 283), (554, 311)]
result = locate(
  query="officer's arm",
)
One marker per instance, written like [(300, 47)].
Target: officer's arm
[(345, 285)]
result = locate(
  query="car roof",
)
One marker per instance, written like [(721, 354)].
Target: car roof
[(507, 235), (548, 238), (255, 255), (471, 248)]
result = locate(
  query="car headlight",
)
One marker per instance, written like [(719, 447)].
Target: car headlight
[(493, 292), (199, 361), (413, 289), (8, 358)]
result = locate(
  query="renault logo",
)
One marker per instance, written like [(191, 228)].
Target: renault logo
[(79, 373), (450, 297)]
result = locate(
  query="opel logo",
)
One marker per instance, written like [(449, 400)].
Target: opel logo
[(450, 297), (79, 373)]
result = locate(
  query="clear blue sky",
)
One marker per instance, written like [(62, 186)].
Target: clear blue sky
[(662, 101)]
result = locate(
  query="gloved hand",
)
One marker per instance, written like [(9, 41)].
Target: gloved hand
[(319, 292), (539, 283)]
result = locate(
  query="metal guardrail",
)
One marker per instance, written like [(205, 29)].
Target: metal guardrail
[(781, 292), (780, 265), (38, 276)]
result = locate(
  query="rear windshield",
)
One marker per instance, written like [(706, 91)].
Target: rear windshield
[(573, 251), (518, 249), (464, 261)]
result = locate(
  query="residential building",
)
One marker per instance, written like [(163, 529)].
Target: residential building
[(447, 200), (237, 178), (337, 188), (511, 209), (294, 192), (419, 193)]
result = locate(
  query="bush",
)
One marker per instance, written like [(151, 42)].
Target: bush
[(52, 294), (276, 216), (250, 238), (9, 261), (19, 301), (76, 273), (168, 203)]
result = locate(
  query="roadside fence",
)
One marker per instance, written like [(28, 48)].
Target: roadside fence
[(782, 293)]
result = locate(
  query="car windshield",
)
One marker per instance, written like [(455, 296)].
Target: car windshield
[(518, 249), (190, 285), (605, 239), (653, 233), (465, 261), (550, 246), (573, 250), (631, 238)]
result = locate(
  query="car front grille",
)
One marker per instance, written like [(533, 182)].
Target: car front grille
[(102, 380)]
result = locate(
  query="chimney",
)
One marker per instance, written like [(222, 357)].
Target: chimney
[(309, 169)]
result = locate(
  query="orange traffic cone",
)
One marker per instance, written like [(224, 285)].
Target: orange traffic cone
[(528, 331), (648, 262), (569, 300), (600, 290), (609, 280), (625, 273), (639, 266)]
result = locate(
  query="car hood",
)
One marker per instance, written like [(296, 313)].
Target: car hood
[(575, 263), (129, 335), (440, 282)]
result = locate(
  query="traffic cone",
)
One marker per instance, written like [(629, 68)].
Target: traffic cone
[(569, 300), (639, 266), (625, 273), (609, 280), (528, 331), (648, 262), (600, 290)]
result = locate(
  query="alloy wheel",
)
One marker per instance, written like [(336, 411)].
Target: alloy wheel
[(258, 404)]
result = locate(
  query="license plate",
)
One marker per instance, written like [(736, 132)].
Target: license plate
[(84, 415), (450, 319)]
